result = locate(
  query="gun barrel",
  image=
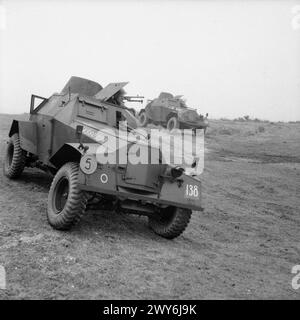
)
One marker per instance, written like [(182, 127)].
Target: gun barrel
[(141, 101), (134, 98)]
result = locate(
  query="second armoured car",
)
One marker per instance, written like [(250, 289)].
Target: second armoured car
[(171, 112)]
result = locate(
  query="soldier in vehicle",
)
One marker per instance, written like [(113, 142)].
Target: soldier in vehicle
[(118, 98), (128, 115)]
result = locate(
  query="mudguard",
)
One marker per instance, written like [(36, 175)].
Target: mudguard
[(28, 134), (71, 152)]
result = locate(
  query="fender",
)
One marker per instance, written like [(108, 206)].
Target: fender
[(172, 114), (70, 152), (27, 133)]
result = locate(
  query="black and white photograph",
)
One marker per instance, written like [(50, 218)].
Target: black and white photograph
[(149, 151)]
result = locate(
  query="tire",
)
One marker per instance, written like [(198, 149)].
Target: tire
[(66, 202), (143, 118), (172, 123), (15, 158), (171, 222), (133, 112)]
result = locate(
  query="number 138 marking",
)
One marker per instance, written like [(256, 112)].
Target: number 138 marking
[(191, 191)]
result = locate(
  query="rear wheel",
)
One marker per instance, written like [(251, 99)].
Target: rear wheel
[(143, 118), (171, 222), (15, 158), (172, 123), (66, 202)]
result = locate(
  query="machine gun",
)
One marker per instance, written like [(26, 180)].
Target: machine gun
[(137, 98)]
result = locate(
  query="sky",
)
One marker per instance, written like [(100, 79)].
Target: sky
[(228, 58)]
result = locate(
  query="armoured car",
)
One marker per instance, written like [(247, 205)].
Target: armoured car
[(172, 112), (61, 137)]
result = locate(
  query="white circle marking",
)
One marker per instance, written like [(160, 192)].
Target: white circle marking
[(104, 178)]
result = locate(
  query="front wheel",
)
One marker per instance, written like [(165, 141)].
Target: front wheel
[(173, 123), (143, 118), (15, 158), (171, 222), (66, 202)]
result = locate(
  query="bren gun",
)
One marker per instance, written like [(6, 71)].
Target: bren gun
[(137, 98)]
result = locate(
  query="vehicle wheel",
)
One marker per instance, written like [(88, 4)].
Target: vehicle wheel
[(143, 118), (66, 202), (15, 158), (171, 222), (172, 123), (132, 110)]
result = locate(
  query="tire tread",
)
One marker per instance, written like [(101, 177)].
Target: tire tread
[(18, 162), (174, 227), (76, 203)]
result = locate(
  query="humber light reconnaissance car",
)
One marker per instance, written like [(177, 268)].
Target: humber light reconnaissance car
[(172, 112), (60, 137)]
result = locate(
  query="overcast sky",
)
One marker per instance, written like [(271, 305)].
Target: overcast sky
[(228, 58)]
